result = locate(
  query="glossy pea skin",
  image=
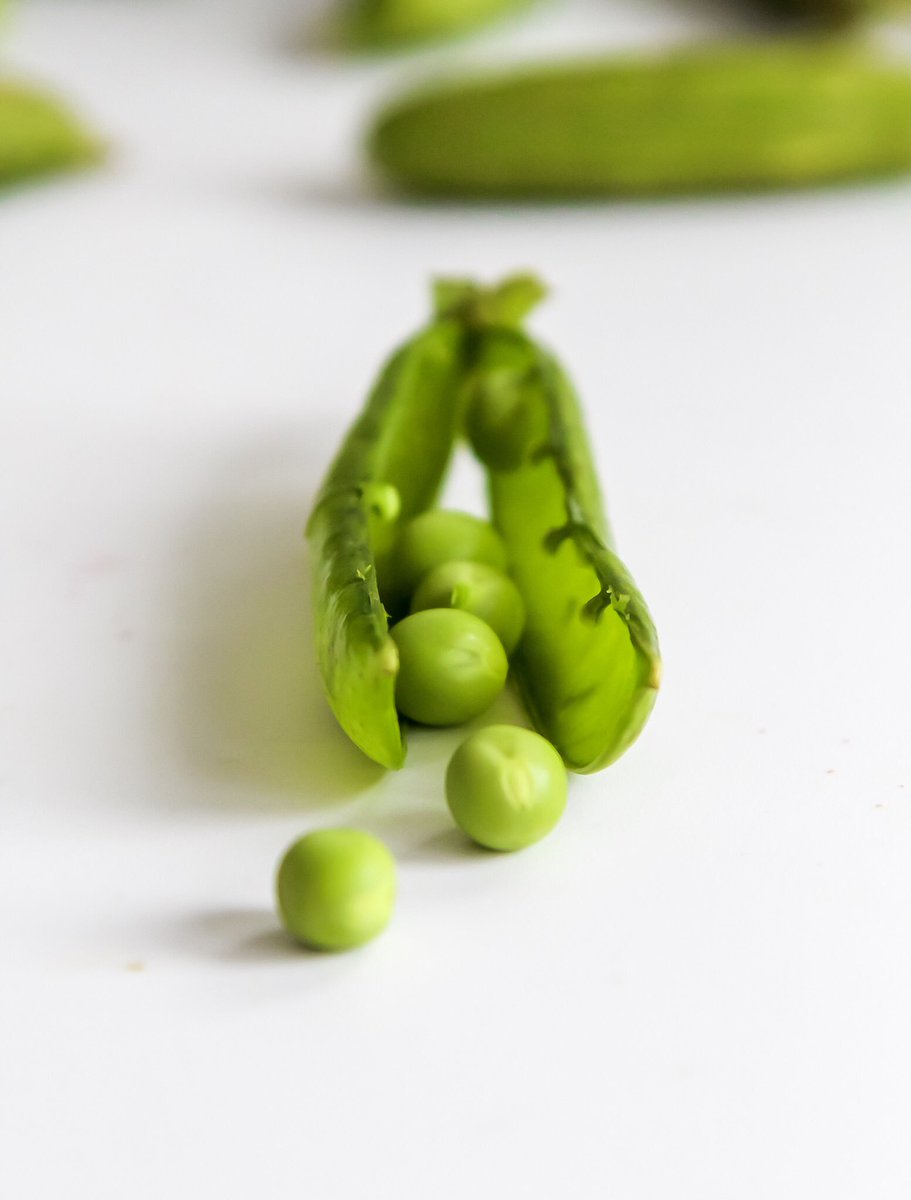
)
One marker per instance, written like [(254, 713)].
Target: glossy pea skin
[(335, 888), (506, 787), (478, 589), (440, 536), (452, 666)]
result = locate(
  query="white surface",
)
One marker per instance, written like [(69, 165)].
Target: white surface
[(699, 988)]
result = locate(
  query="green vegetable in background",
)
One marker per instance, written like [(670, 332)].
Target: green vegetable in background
[(390, 466), (39, 135), (588, 664), (452, 666), (335, 888), (506, 787), (386, 24), (478, 589), (783, 114)]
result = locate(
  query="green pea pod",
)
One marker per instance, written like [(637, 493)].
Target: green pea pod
[(588, 663), (38, 135), (386, 24), (390, 465), (786, 114)]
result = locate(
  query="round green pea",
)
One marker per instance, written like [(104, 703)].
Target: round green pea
[(478, 589), (335, 888), (440, 536), (452, 666), (506, 787)]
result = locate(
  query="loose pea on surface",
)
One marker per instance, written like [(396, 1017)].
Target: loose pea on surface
[(335, 888), (452, 666), (478, 589), (440, 536), (506, 787)]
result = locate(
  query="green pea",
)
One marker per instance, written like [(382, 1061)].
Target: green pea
[(440, 536), (336, 888), (452, 666), (499, 427), (501, 418), (506, 787), (478, 589)]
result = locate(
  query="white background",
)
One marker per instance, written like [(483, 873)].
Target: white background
[(700, 986)]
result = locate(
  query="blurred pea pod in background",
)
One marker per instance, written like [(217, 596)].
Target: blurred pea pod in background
[(829, 13), (786, 113), (390, 24), (40, 135), (398, 24)]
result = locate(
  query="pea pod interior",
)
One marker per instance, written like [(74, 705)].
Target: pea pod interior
[(588, 663)]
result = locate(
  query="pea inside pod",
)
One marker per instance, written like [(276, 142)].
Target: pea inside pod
[(441, 536), (452, 666), (478, 589)]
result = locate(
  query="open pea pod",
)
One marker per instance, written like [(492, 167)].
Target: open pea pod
[(390, 465), (588, 664), (796, 112)]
